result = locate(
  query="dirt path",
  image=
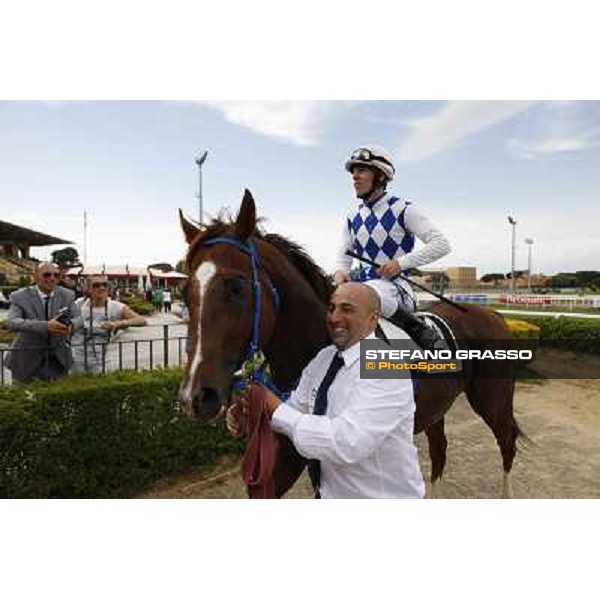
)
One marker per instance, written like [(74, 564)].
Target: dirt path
[(561, 418)]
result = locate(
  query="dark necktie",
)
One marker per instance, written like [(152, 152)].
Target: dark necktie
[(314, 466), (47, 317), (46, 303)]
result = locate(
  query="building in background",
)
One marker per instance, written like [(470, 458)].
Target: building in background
[(133, 278), (16, 263), (462, 277)]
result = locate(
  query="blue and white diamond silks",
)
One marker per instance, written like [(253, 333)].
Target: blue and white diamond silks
[(378, 233)]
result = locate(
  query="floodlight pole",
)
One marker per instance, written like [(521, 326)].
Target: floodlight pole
[(200, 161), (513, 224), (529, 242), (84, 238)]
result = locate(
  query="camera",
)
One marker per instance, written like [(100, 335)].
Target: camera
[(64, 316)]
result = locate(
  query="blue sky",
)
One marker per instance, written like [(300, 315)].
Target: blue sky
[(466, 164)]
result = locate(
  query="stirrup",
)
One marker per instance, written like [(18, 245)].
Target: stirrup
[(425, 336)]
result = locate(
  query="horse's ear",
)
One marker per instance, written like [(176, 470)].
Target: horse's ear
[(189, 230), (246, 219)]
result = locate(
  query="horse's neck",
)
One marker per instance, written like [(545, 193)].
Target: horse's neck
[(298, 335)]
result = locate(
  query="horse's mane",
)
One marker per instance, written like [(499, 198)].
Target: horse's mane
[(314, 275)]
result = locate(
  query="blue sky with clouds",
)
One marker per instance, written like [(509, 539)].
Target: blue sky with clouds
[(467, 164)]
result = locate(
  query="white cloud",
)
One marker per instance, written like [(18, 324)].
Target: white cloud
[(456, 121), (299, 122), (553, 145)]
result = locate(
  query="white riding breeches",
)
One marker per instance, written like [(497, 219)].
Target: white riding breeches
[(393, 295)]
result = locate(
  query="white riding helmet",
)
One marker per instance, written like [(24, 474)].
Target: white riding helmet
[(372, 156)]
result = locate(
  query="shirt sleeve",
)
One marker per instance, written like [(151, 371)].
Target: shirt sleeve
[(436, 244), (376, 409), (343, 261)]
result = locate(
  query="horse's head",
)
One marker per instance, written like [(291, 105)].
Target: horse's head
[(222, 296)]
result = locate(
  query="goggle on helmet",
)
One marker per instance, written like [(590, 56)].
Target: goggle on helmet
[(372, 156)]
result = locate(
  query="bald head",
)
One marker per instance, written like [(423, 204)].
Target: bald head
[(353, 313), (46, 266), (46, 276), (359, 294)]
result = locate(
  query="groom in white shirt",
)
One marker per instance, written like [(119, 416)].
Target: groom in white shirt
[(357, 434)]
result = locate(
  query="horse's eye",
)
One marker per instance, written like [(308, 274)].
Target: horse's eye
[(235, 288)]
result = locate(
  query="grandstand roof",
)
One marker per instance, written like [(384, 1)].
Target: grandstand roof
[(15, 234)]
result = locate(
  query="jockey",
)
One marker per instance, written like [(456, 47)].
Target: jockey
[(383, 229)]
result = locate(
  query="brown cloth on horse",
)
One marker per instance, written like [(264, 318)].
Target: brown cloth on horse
[(259, 459)]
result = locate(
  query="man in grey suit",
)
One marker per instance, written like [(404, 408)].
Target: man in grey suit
[(41, 349)]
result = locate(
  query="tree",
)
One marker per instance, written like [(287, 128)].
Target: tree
[(564, 280), (495, 277), (66, 258), (181, 267), (517, 274), (588, 279), (164, 267)]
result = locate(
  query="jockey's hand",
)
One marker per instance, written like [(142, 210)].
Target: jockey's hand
[(389, 269), (339, 277)]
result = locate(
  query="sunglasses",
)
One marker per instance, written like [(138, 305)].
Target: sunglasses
[(48, 275), (102, 284)]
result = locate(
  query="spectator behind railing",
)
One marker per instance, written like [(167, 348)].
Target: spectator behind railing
[(101, 317), (40, 315)]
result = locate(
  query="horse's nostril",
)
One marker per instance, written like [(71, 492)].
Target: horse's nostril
[(206, 402)]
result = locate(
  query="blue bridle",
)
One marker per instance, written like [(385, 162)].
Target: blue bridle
[(253, 355)]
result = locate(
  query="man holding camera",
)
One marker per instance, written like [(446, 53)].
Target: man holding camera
[(42, 316)]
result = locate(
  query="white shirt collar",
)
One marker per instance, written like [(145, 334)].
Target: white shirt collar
[(43, 294), (352, 353)]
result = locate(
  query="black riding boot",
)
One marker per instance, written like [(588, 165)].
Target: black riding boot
[(424, 335)]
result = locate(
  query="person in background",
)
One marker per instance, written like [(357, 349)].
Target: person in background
[(70, 281), (167, 300), (42, 315), (157, 299), (101, 317)]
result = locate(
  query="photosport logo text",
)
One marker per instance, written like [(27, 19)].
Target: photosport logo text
[(402, 358)]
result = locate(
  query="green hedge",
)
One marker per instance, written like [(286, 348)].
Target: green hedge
[(100, 436), (567, 333), (8, 289), (140, 306)]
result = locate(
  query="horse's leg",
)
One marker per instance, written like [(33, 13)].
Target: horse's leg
[(288, 466), (492, 400), (438, 443)]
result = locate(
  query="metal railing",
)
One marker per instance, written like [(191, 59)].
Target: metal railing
[(116, 355)]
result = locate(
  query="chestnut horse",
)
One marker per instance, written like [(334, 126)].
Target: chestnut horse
[(235, 270)]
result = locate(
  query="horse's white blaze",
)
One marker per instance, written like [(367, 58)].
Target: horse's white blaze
[(204, 274)]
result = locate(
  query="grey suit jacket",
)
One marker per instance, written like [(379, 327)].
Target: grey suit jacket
[(33, 345)]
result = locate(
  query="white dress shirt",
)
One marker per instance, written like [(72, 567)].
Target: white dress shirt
[(365, 441)]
